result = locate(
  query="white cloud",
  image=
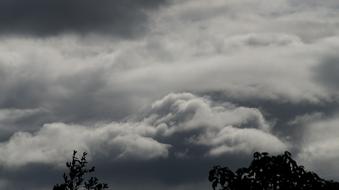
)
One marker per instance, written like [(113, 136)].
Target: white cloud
[(54, 142), (221, 129), (224, 128), (249, 50), (232, 139), (8, 115), (186, 111), (194, 46), (319, 150)]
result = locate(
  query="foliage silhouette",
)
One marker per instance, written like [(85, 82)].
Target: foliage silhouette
[(75, 179), (269, 173)]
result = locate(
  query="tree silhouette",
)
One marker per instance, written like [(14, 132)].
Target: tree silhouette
[(269, 173), (75, 179)]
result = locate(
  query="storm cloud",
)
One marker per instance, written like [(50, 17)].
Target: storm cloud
[(123, 18), (177, 118), (151, 87), (174, 130)]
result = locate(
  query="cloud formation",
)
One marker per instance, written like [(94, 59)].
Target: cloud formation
[(53, 142), (319, 148), (75, 80), (175, 124), (251, 70)]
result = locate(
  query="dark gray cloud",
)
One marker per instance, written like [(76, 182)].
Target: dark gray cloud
[(166, 173), (268, 71), (30, 100), (179, 131), (327, 72), (35, 176), (319, 148), (179, 125), (49, 17)]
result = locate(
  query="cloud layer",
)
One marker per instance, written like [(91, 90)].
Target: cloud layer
[(319, 148), (109, 78), (126, 18), (177, 125)]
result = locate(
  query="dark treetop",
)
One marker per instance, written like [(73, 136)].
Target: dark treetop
[(269, 173), (75, 179)]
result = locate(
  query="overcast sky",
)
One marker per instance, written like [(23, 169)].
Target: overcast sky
[(159, 91)]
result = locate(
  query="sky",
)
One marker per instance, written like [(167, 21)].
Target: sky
[(159, 91)]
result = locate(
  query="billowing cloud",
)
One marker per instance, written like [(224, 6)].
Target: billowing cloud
[(196, 121), (258, 76), (223, 128), (53, 142), (74, 80)]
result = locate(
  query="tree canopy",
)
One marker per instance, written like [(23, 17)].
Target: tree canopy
[(76, 177), (267, 172)]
